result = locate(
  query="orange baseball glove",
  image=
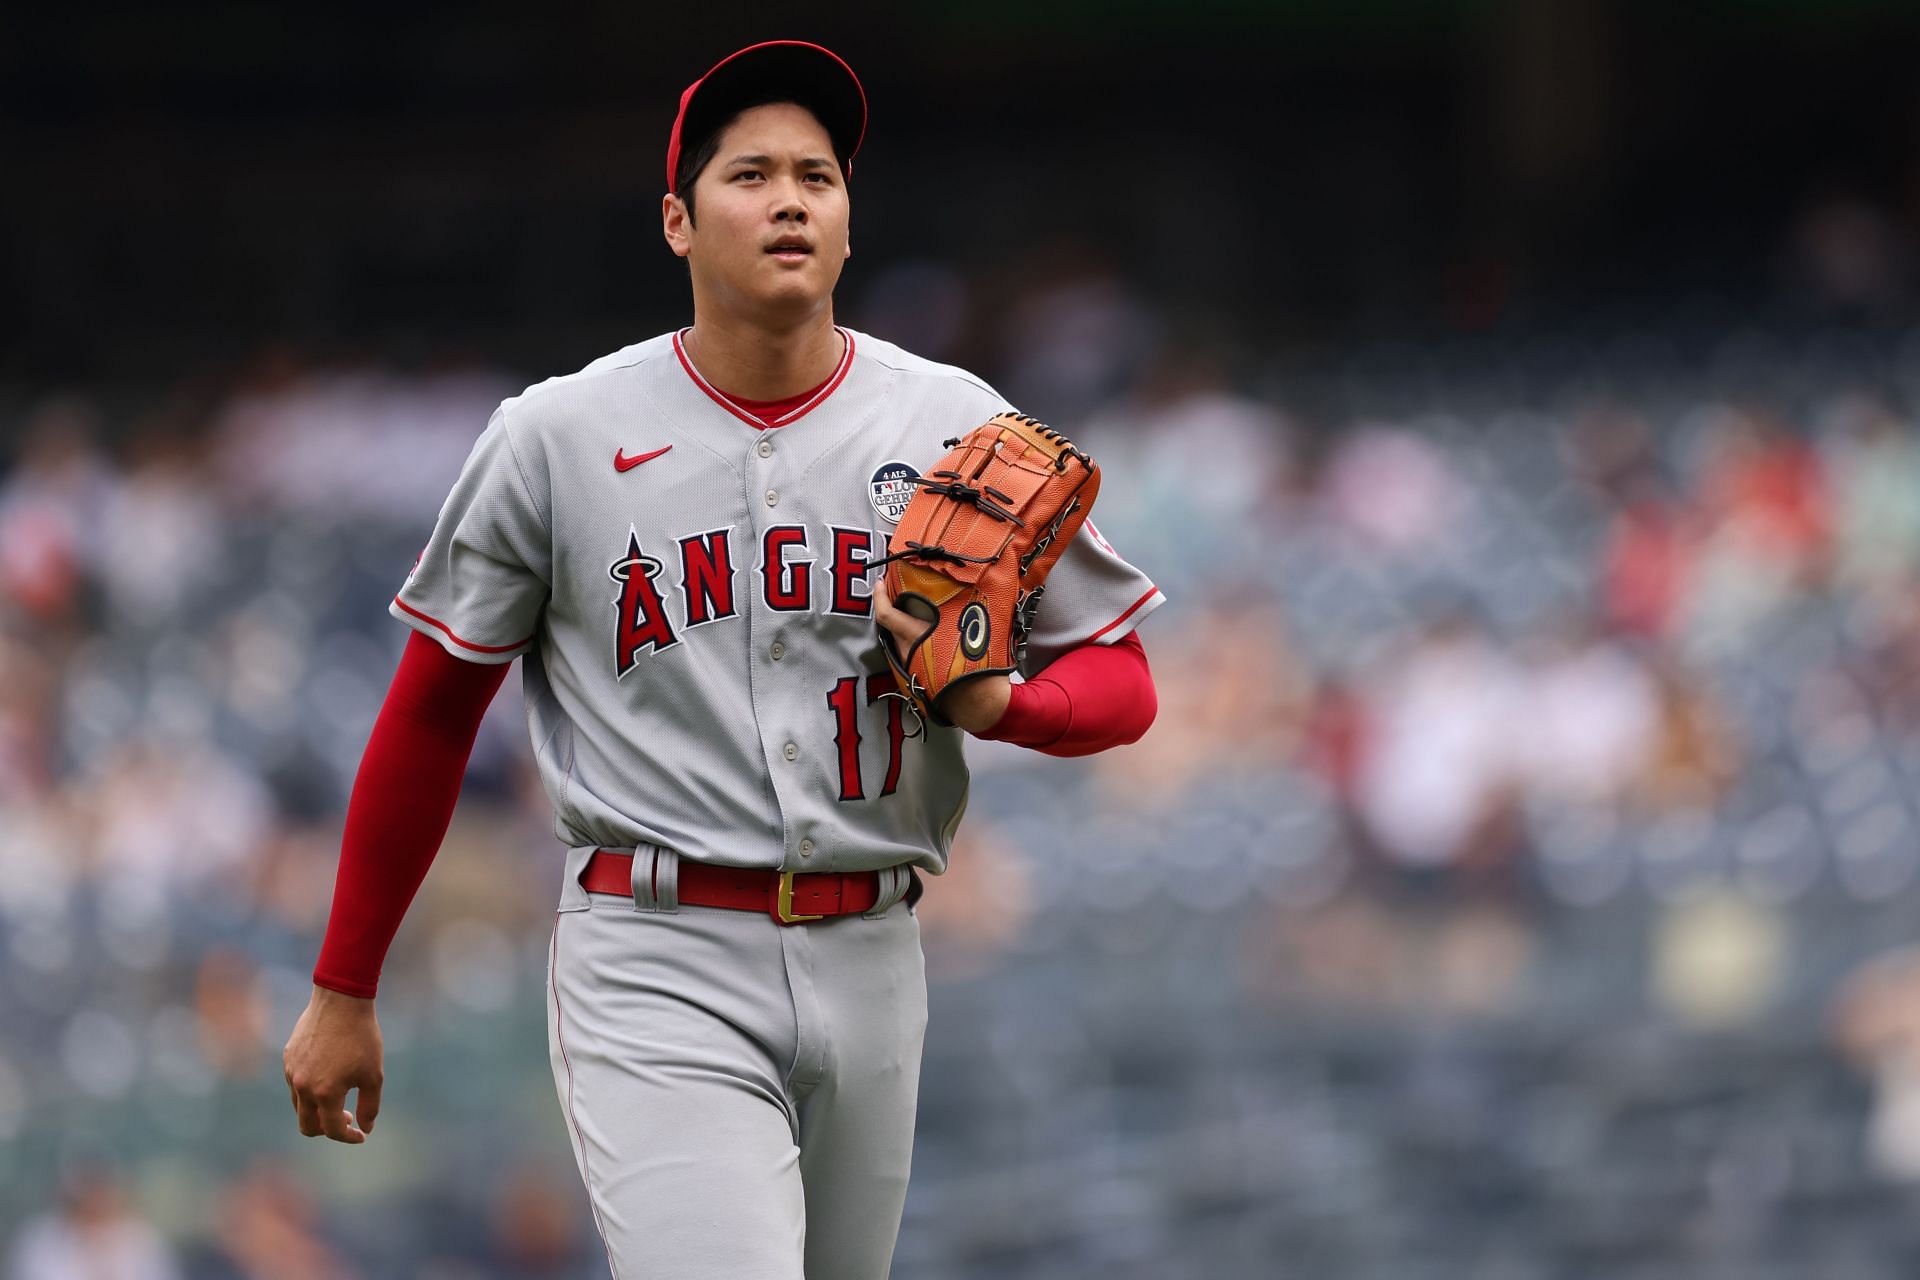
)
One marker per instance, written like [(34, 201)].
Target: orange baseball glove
[(973, 549)]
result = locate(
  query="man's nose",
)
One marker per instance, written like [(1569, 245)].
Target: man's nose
[(791, 206)]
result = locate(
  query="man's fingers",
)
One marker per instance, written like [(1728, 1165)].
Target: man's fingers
[(884, 612), (368, 1106), (883, 603), (326, 1114), (337, 1122), (905, 627), (308, 1113)]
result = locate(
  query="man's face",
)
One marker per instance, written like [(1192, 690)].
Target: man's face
[(772, 179)]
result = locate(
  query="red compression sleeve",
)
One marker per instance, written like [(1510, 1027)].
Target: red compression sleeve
[(1090, 698), (403, 798)]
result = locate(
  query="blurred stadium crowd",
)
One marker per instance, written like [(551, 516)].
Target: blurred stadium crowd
[(1518, 880)]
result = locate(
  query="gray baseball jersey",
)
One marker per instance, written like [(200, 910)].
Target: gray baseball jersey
[(703, 681), (689, 590)]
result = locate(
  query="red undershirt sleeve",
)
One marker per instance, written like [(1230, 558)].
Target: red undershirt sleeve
[(1089, 699), (403, 799)]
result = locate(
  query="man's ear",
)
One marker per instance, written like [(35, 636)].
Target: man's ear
[(675, 225)]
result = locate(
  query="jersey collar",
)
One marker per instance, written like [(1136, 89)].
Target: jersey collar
[(720, 397)]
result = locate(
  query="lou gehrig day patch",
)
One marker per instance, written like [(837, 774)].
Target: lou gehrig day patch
[(891, 489)]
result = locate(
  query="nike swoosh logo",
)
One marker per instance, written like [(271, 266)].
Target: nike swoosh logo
[(621, 462)]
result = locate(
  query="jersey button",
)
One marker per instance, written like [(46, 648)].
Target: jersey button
[(779, 651), (773, 498), (792, 752), (806, 848), (766, 448)]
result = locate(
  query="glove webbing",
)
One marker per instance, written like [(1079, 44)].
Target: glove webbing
[(1023, 621), (1045, 540)]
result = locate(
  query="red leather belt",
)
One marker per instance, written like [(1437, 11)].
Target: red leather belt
[(787, 897)]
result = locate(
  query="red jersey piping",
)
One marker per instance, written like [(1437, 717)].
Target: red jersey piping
[(448, 632), (1151, 593), (793, 415)]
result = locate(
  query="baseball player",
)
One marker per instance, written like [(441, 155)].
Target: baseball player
[(675, 540)]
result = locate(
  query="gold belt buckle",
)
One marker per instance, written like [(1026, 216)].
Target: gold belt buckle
[(783, 902)]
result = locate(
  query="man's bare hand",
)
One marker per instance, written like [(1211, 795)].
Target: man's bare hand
[(335, 1048), (975, 705)]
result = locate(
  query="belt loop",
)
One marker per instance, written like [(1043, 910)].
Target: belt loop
[(666, 878), (894, 882), (656, 879), (641, 884)]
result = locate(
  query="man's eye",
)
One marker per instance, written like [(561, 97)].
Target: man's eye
[(747, 173), (823, 178)]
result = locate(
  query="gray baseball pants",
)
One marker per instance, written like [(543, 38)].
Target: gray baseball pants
[(740, 1093)]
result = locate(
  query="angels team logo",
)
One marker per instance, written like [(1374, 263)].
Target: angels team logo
[(621, 570), (891, 489), (641, 614)]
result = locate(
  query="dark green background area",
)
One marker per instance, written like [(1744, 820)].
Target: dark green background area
[(182, 178)]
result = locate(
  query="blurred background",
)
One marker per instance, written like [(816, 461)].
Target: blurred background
[(1515, 400)]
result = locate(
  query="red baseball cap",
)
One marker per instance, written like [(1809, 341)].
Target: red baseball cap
[(816, 78)]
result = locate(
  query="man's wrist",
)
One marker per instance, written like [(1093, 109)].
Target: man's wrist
[(977, 705), (323, 994)]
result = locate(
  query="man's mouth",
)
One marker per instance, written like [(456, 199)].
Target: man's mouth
[(792, 248)]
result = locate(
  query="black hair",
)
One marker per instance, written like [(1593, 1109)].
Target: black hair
[(694, 160)]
